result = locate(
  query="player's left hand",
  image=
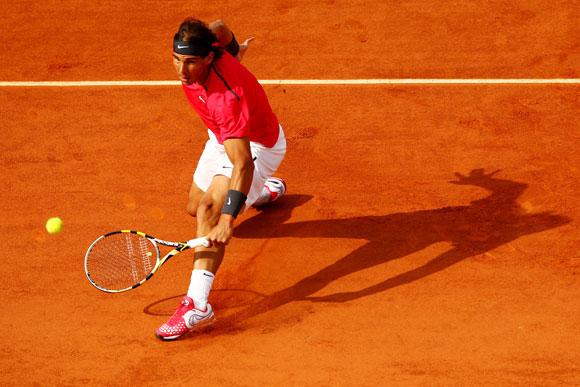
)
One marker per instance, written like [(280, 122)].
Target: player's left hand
[(222, 232), (244, 47)]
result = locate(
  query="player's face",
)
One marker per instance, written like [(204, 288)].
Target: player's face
[(192, 69)]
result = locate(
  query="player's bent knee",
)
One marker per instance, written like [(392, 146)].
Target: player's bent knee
[(192, 208), (195, 196)]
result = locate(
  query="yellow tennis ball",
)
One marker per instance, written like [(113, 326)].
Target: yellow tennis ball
[(54, 225)]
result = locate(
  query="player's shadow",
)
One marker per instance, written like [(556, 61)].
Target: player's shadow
[(472, 230)]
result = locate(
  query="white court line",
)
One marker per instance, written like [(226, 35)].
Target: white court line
[(402, 81)]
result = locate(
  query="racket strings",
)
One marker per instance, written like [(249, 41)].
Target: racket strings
[(144, 252), (119, 261)]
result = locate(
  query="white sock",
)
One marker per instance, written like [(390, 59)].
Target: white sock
[(199, 287)]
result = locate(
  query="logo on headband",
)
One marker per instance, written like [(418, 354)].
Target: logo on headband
[(201, 48)]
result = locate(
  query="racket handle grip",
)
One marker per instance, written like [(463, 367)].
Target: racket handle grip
[(198, 242)]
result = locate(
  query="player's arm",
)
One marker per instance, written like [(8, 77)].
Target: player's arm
[(227, 39), (239, 153)]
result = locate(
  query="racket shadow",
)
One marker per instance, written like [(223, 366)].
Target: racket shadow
[(226, 300)]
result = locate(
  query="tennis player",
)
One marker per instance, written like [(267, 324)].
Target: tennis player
[(245, 147)]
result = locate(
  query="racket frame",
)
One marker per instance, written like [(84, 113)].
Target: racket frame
[(178, 247)]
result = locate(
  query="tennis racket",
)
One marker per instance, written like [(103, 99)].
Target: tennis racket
[(123, 260)]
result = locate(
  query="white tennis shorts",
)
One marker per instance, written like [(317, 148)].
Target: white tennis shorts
[(214, 161)]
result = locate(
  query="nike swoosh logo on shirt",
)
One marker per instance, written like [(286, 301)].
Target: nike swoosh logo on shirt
[(180, 46)]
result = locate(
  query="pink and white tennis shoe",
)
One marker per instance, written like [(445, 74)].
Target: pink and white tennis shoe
[(187, 318), (276, 187)]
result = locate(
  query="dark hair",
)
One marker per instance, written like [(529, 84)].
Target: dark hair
[(197, 32)]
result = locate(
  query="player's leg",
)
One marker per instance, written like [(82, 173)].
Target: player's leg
[(194, 198), (208, 214), (208, 166), (195, 312), (189, 316), (267, 187)]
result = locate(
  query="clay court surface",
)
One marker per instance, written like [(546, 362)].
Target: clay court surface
[(398, 257)]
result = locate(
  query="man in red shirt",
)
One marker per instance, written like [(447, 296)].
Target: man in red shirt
[(245, 147)]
